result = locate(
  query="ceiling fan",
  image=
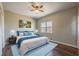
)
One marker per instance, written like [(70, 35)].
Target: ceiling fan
[(37, 7)]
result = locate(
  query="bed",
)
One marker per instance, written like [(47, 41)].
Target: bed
[(30, 44)]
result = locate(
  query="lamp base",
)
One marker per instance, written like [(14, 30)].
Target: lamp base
[(12, 36)]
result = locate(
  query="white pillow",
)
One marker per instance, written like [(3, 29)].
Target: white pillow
[(21, 34)]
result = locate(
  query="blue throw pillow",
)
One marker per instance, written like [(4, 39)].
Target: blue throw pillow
[(26, 33)]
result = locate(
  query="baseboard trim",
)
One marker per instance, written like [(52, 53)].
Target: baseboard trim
[(65, 44), (78, 47)]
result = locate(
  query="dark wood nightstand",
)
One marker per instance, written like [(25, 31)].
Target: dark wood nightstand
[(12, 40)]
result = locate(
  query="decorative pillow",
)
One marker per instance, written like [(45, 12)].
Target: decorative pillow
[(30, 33), (17, 33), (25, 33), (21, 34)]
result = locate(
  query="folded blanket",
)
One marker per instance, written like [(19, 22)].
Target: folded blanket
[(30, 44)]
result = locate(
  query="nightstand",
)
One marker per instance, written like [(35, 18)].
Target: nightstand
[(12, 40)]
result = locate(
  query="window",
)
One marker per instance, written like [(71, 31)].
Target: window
[(46, 27), (49, 27), (43, 27)]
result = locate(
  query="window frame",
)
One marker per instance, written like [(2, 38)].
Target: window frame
[(46, 27)]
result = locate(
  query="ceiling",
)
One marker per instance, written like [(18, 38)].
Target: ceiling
[(48, 7)]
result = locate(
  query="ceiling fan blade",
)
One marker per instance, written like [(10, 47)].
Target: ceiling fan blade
[(33, 6), (41, 6), (41, 10)]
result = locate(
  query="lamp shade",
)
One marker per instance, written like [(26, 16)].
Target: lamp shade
[(36, 31), (12, 33)]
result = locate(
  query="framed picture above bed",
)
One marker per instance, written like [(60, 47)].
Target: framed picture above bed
[(24, 24)]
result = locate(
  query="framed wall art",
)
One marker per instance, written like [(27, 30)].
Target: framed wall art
[(24, 24)]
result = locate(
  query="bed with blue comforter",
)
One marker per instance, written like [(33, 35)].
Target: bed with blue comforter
[(29, 44)]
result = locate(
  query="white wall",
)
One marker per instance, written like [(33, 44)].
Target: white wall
[(63, 27), (1, 29), (12, 22)]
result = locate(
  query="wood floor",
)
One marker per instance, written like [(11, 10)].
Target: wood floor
[(60, 50)]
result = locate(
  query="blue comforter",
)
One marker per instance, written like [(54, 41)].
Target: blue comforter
[(25, 38)]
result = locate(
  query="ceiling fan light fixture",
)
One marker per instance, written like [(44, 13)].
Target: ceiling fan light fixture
[(37, 7), (37, 11)]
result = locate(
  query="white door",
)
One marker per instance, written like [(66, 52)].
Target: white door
[(0, 37)]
